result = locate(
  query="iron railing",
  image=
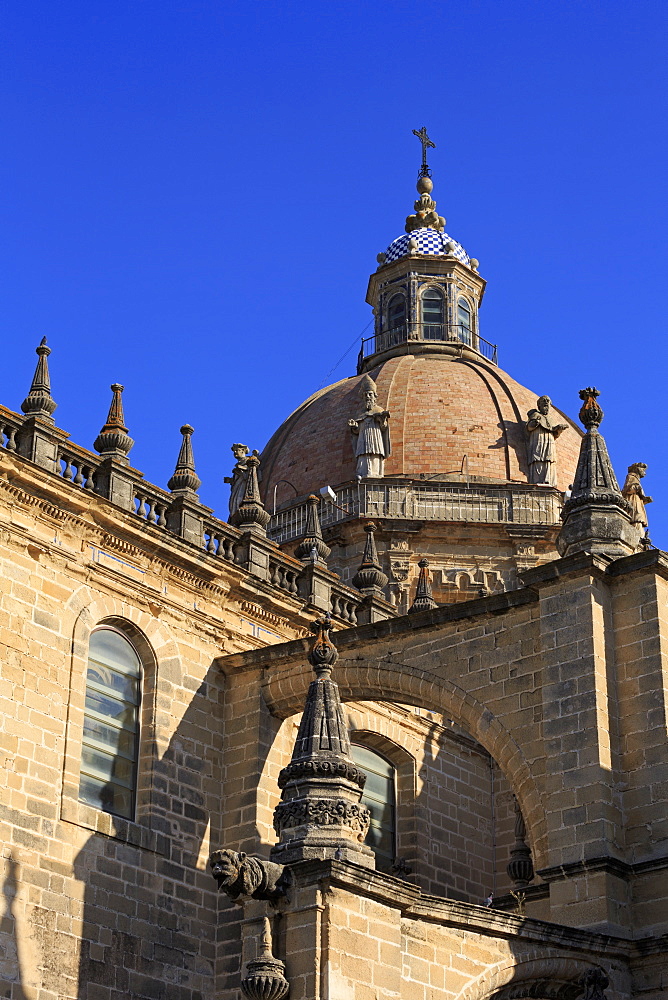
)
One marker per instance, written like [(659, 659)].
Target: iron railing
[(433, 333), (428, 501)]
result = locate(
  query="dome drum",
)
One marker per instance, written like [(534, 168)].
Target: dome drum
[(424, 304)]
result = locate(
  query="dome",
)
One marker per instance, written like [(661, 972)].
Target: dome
[(442, 408), (430, 241)]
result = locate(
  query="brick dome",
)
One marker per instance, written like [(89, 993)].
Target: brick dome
[(441, 408)]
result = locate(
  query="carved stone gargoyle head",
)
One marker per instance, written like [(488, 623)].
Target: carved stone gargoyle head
[(240, 875)]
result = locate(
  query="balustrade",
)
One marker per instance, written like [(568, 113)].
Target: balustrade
[(151, 507), (76, 468), (219, 542)]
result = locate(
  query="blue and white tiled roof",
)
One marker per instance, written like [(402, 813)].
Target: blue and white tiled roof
[(429, 241)]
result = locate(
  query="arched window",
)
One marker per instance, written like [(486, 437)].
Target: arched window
[(380, 797), (111, 724), (464, 321), (432, 315), (396, 320)]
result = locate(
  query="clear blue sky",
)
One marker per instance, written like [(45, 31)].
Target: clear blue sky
[(193, 195)]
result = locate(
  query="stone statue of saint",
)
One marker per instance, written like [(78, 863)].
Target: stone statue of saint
[(541, 452), (238, 478), (371, 434), (633, 492)]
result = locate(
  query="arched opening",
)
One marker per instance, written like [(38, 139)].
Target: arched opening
[(380, 797), (464, 321), (396, 320), (110, 739), (433, 315)]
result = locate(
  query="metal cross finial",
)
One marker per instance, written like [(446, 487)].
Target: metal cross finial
[(426, 144)]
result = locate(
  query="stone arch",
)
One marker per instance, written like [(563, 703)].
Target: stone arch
[(389, 681), (155, 646), (550, 978)]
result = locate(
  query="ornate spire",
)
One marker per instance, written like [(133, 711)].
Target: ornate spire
[(113, 440), (312, 547), (520, 867), (184, 477), (596, 516), (38, 402), (320, 814), (369, 578), (423, 596), (250, 514), (425, 206), (595, 480)]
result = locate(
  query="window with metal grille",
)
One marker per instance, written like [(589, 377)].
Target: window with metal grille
[(110, 742), (380, 797)]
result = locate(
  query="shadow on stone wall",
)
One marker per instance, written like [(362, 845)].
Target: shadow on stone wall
[(150, 914), (11, 971)]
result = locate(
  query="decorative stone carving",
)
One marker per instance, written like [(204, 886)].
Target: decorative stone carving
[(185, 477), (424, 600), (520, 867), (541, 451), (632, 491), (425, 209), (241, 875), (371, 434), (312, 548), (594, 982), (320, 814), (113, 440), (238, 478), (250, 515), (596, 517), (369, 578), (265, 975), (38, 402)]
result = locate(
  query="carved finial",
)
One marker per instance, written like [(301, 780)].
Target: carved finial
[(596, 517), (251, 515), (423, 596), (184, 477), (265, 975), (113, 439), (370, 578), (425, 207), (591, 413), (38, 402), (323, 654), (320, 814), (520, 867), (312, 542)]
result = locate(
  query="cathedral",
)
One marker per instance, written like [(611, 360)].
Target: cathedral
[(394, 729)]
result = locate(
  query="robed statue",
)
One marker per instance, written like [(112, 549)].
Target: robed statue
[(541, 450), (371, 434), (239, 476), (633, 492)]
